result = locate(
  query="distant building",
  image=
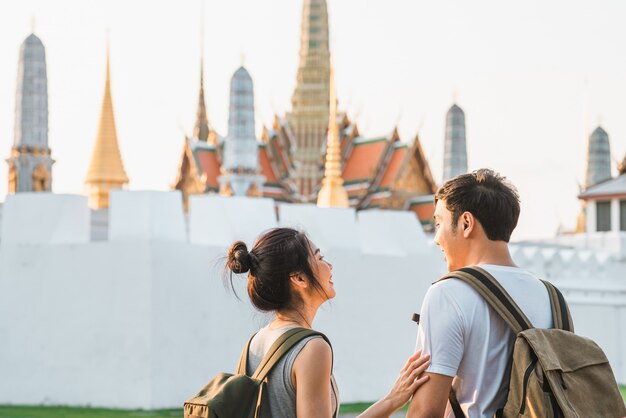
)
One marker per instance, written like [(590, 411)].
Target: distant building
[(606, 205), (106, 170), (455, 147), (598, 158), (240, 165), (30, 163), (598, 170), (377, 173), (199, 165), (309, 114)]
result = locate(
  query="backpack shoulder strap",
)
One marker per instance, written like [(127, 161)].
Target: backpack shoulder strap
[(494, 294), (560, 311), (242, 366), (281, 346), (498, 298)]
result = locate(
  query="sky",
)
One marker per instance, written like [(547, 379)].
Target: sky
[(534, 79)]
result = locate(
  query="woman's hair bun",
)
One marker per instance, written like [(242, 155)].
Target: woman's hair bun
[(238, 259)]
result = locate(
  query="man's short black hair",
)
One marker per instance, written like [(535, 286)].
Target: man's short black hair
[(491, 198)]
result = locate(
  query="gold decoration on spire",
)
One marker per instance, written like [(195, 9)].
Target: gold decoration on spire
[(201, 129), (332, 193), (106, 170)]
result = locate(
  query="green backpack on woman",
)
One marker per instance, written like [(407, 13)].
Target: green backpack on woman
[(239, 395)]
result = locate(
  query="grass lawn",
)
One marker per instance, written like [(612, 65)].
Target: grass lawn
[(354, 408), (66, 412), (70, 412)]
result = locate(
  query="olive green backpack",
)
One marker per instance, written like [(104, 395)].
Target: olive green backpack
[(554, 372), (239, 395)]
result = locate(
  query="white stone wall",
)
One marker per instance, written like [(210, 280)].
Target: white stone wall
[(138, 315), (1, 210), (143, 319)]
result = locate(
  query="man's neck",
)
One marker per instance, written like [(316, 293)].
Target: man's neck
[(491, 252)]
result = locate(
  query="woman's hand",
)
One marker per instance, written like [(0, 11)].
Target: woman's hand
[(408, 380), (406, 384)]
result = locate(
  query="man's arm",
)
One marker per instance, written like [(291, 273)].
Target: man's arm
[(430, 400)]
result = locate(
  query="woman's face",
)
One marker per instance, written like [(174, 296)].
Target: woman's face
[(323, 271)]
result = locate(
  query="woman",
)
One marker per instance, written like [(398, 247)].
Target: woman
[(288, 275)]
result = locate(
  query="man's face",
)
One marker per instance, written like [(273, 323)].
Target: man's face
[(451, 241)]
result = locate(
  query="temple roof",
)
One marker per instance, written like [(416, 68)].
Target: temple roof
[(612, 188), (266, 165), (207, 163), (394, 165), (363, 160), (106, 162)]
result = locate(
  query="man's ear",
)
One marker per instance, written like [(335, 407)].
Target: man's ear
[(467, 223)]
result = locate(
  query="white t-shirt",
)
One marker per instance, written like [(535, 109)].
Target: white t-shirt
[(466, 338)]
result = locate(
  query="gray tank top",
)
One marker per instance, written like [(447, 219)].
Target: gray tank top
[(281, 394)]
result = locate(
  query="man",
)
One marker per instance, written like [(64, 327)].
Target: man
[(470, 345)]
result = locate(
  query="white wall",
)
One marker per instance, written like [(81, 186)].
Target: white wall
[(145, 322), (50, 218), (1, 210)]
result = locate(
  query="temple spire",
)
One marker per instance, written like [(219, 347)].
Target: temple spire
[(598, 157), (106, 170), (308, 118), (455, 148), (30, 163), (240, 171), (332, 193), (201, 128)]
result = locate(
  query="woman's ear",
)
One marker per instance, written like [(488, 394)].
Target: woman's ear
[(298, 280)]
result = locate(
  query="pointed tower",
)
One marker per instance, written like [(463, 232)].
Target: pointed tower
[(332, 193), (309, 115), (106, 170), (598, 158), (30, 164), (455, 149), (201, 129), (240, 166)]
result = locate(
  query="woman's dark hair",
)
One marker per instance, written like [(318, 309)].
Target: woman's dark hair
[(491, 198), (277, 254)]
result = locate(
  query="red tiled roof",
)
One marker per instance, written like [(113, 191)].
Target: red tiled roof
[(424, 211), (393, 166), (209, 166), (363, 160), (266, 166), (277, 147)]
